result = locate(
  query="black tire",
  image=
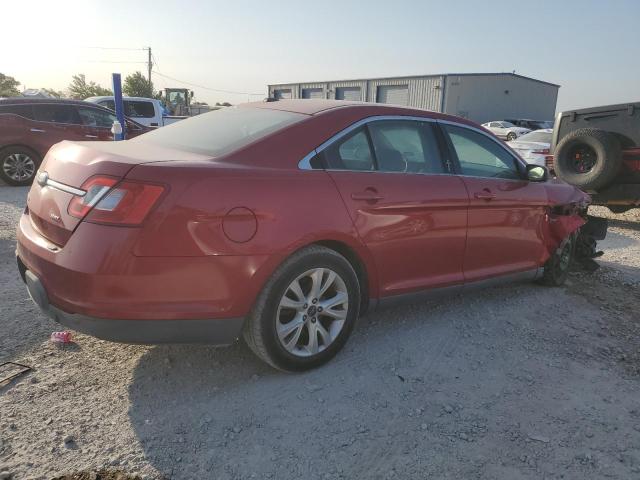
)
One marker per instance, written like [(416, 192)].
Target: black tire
[(6, 156), (556, 270), (604, 157), (260, 327), (511, 136)]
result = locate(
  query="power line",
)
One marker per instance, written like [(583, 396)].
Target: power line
[(206, 88), (115, 48), (110, 61)]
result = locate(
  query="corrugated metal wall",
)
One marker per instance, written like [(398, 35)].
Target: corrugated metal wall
[(424, 92)]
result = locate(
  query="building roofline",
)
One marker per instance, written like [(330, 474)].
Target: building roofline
[(476, 74)]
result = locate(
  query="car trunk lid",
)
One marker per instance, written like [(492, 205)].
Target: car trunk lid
[(68, 165)]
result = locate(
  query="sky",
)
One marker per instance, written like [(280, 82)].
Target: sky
[(588, 47)]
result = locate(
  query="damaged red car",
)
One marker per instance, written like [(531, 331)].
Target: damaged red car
[(282, 222)]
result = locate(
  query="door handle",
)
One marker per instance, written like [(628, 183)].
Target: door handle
[(91, 136), (369, 195), (37, 130), (485, 194)]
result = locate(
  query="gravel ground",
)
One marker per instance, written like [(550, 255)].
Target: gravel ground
[(518, 382)]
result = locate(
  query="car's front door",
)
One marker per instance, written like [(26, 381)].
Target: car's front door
[(506, 211), (406, 207)]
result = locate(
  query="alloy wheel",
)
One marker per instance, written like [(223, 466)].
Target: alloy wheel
[(19, 166), (312, 312)]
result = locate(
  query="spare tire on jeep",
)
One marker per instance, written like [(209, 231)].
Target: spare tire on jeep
[(588, 158)]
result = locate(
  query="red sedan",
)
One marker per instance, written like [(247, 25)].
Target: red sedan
[(282, 222)]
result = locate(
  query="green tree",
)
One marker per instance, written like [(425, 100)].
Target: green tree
[(8, 86), (136, 85), (80, 89)]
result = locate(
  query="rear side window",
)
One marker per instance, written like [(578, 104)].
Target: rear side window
[(94, 117), (350, 153), (405, 146), (480, 156), (25, 111), (56, 113), (221, 131), (138, 109)]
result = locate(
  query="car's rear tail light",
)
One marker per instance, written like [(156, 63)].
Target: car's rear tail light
[(126, 204), (544, 151), (548, 161), (96, 187), (107, 201)]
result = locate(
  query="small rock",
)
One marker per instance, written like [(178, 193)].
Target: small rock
[(48, 421), (539, 438), (448, 408), (5, 475), (424, 426), (314, 387), (463, 436), (237, 429)]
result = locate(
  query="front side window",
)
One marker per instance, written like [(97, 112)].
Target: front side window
[(480, 156), (405, 146), (92, 117), (139, 109), (221, 131), (350, 153), (56, 113)]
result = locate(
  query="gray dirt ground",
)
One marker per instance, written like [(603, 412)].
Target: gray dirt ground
[(518, 382)]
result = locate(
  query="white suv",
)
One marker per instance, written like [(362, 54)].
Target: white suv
[(505, 130)]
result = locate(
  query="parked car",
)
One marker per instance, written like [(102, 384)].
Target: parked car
[(598, 150), (534, 146), (283, 222), (146, 111), (530, 124), (505, 130), (29, 127)]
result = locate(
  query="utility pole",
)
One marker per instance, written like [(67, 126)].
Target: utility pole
[(149, 65)]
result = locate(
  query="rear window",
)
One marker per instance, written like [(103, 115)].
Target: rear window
[(25, 111), (543, 137), (221, 131)]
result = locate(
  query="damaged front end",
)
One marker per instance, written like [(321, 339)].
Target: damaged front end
[(568, 219)]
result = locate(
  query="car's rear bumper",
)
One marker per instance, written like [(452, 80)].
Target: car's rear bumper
[(218, 331)]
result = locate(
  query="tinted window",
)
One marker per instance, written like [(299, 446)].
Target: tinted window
[(25, 111), (56, 113), (405, 146), (94, 117), (350, 153), (480, 156), (110, 104), (506, 124), (221, 131), (494, 124), (138, 109)]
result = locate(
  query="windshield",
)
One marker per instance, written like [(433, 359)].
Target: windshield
[(221, 131), (542, 137), (507, 124)]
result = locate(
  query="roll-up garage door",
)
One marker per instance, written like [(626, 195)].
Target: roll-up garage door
[(282, 94), (348, 93), (395, 94), (312, 93)]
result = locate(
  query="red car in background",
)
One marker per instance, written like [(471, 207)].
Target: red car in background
[(29, 127), (282, 222)]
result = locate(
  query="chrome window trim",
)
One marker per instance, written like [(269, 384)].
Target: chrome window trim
[(305, 163)]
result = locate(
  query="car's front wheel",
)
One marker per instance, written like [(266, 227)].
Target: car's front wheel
[(556, 270), (306, 312), (18, 165), (511, 136)]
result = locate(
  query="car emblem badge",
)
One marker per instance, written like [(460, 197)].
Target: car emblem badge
[(43, 178), (54, 217)]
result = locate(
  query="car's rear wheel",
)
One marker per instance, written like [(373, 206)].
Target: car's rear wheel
[(511, 136), (556, 270), (306, 312), (18, 165)]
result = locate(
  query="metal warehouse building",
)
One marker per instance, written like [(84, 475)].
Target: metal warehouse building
[(480, 97)]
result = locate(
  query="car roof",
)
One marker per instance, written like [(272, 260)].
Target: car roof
[(314, 107), (124, 97), (61, 101)]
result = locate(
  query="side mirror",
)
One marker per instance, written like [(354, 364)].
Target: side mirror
[(537, 173)]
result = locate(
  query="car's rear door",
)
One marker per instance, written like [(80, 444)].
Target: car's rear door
[(506, 211), (54, 122), (407, 209)]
